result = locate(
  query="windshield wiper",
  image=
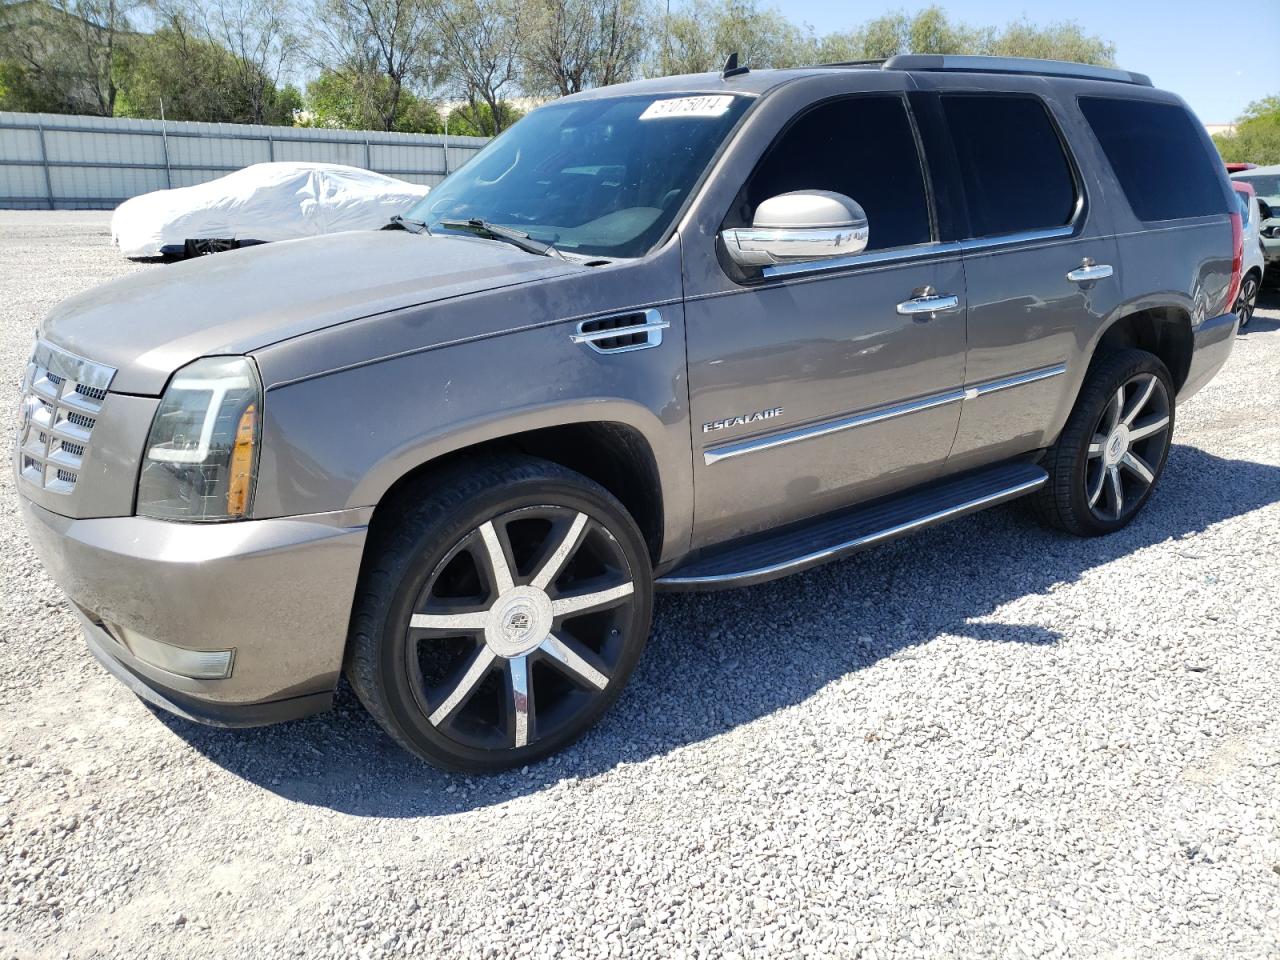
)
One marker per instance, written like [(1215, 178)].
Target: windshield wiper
[(495, 231), (404, 223)]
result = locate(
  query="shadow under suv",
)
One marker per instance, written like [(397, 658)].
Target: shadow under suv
[(686, 333)]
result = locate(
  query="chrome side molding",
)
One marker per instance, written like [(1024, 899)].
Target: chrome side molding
[(755, 445)]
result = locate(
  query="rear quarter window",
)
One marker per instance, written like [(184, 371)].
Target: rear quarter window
[(1158, 156)]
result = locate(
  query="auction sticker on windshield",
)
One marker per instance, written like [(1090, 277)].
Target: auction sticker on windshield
[(710, 106)]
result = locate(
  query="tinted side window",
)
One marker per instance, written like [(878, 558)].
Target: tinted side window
[(862, 147), (1015, 175), (1158, 157)]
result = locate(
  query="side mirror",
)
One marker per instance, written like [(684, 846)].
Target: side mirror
[(1264, 209), (800, 226)]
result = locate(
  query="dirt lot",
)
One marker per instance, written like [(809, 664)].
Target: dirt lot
[(986, 740)]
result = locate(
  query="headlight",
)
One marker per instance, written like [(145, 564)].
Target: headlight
[(202, 452)]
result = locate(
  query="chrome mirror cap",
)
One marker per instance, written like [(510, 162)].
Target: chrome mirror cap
[(799, 226)]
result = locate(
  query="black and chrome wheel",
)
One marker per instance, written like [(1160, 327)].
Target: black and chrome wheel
[(1114, 447), (505, 614), (1247, 302)]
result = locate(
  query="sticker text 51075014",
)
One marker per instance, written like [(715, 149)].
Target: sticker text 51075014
[(709, 106)]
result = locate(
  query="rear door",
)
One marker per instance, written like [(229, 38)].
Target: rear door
[(1040, 264)]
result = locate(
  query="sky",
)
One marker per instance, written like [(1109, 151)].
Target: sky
[(1217, 64)]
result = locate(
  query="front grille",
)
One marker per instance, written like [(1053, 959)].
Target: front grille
[(62, 395)]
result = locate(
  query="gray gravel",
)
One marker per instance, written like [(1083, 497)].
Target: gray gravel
[(988, 740)]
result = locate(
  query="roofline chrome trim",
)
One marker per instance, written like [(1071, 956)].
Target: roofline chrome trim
[(963, 63), (830, 553), (794, 435)]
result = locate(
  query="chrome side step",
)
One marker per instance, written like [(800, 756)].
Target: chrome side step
[(813, 542)]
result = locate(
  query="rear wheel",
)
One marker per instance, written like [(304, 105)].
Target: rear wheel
[(502, 617), (1247, 302), (1113, 449)]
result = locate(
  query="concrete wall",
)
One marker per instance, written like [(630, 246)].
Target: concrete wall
[(52, 161)]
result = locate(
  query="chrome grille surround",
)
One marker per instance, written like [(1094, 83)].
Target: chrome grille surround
[(62, 395)]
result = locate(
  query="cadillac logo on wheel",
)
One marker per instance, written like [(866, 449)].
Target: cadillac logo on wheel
[(517, 624)]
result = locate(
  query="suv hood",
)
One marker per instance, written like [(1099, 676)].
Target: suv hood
[(151, 323)]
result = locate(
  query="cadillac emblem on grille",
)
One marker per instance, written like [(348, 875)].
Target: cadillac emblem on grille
[(62, 396)]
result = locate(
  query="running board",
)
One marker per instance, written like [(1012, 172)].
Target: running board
[(813, 542)]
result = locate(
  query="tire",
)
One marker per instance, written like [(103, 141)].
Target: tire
[(1112, 451), (500, 612), (1247, 302)]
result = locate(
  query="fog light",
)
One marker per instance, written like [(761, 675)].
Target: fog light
[(196, 664)]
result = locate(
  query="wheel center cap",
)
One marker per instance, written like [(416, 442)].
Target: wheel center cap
[(1117, 445), (518, 622)]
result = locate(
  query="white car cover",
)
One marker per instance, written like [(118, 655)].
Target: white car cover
[(266, 202)]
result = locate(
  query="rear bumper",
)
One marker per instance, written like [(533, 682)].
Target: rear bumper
[(1213, 342), (275, 594)]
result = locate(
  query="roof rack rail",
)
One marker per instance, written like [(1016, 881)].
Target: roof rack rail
[(1049, 68), (877, 62)]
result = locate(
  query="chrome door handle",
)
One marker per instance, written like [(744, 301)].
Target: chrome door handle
[(928, 304), (1088, 270)]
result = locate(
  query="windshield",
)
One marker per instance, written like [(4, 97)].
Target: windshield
[(1264, 185), (598, 177)]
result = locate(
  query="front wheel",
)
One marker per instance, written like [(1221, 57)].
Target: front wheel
[(1113, 449), (502, 616)]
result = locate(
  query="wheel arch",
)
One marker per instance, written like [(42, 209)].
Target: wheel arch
[(1161, 329), (612, 451)]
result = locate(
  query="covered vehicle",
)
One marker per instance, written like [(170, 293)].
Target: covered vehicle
[(259, 204)]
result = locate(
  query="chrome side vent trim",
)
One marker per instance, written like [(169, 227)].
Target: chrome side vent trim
[(622, 333), (62, 395)]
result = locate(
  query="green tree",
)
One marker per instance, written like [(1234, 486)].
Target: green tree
[(569, 45), (481, 40), (1058, 41), (261, 39), (1257, 135), (354, 101), (63, 55), (197, 79), (377, 52), (477, 121), (701, 33)]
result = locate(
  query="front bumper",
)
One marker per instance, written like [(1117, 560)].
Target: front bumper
[(1213, 342), (277, 593)]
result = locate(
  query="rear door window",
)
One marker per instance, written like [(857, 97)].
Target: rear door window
[(863, 147), (1158, 156), (1015, 173)]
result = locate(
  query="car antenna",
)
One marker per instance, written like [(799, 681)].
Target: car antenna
[(731, 68)]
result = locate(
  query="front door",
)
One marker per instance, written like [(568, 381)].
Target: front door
[(810, 389)]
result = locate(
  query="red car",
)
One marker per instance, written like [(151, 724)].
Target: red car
[(1237, 167)]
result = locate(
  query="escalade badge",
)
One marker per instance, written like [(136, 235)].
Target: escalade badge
[(741, 420)]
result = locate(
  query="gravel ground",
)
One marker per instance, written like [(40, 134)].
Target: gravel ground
[(988, 740)]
